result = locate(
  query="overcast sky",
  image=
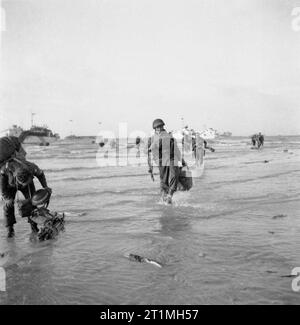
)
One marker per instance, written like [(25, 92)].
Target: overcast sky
[(232, 65)]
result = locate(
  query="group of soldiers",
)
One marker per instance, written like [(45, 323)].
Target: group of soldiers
[(17, 173), (258, 140)]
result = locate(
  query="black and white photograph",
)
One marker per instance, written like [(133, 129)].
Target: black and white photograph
[(149, 154)]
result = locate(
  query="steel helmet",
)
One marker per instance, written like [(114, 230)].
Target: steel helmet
[(15, 142), (157, 123), (41, 197)]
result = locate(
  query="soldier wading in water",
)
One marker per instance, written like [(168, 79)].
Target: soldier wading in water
[(163, 149)]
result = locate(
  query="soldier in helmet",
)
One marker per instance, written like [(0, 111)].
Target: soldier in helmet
[(163, 149), (17, 175)]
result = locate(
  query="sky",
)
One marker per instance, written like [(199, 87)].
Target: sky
[(231, 65)]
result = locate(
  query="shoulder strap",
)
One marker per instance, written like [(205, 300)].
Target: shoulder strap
[(18, 160)]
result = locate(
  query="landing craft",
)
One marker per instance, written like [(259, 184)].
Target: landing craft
[(36, 135)]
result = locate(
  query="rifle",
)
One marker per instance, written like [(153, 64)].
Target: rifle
[(150, 171)]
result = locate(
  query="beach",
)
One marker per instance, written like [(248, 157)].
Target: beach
[(233, 239)]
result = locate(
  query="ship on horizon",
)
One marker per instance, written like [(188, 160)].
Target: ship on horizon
[(36, 135), (224, 135)]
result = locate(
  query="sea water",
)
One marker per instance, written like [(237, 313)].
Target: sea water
[(217, 244)]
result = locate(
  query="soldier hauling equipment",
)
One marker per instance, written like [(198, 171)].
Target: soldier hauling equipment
[(173, 171), (163, 150)]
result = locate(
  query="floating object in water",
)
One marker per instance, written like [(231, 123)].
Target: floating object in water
[(266, 161), (202, 255), (285, 150), (141, 259), (288, 276), (272, 232), (51, 224), (279, 216)]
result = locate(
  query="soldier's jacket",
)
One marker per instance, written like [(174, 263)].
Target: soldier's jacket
[(8, 170), (164, 149)]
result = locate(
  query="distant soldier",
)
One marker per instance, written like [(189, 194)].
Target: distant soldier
[(199, 146), (261, 140)]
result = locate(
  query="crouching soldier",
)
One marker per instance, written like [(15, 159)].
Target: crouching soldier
[(17, 175)]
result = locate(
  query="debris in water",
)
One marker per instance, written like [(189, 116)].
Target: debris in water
[(271, 272), (279, 216), (141, 259), (272, 232), (288, 276), (257, 162)]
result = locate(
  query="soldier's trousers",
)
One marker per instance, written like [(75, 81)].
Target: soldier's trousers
[(9, 202), (169, 176)]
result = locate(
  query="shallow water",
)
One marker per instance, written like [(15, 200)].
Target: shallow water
[(218, 244)]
